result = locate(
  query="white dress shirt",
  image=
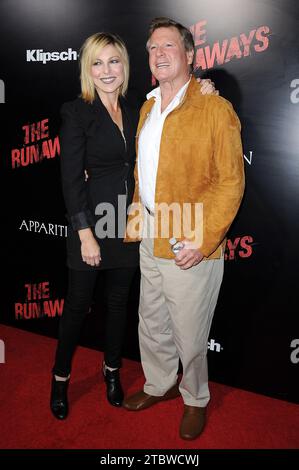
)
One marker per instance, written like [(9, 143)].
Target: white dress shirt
[(149, 145)]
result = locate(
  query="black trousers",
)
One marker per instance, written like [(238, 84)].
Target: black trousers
[(77, 304)]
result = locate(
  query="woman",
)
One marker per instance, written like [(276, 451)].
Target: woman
[(97, 135), (97, 138)]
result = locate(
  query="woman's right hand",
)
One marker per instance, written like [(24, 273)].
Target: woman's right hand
[(90, 249)]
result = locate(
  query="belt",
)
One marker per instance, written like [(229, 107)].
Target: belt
[(149, 211)]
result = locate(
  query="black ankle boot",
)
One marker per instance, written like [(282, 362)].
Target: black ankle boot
[(58, 402), (115, 394)]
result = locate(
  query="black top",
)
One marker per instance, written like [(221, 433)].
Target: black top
[(91, 141)]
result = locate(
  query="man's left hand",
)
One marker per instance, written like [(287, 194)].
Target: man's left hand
[(188, 256)]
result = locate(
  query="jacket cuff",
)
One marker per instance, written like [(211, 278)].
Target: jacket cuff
[(82, 220)]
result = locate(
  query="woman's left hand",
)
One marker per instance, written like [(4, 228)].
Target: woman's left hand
[(207, 87)]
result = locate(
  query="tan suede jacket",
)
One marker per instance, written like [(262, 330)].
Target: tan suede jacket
[(201, 160)]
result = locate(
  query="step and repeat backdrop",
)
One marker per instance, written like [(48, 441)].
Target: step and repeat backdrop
[(249, 48)]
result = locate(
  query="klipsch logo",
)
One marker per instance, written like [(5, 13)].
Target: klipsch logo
[(38, 303), (294, 96), (295, 353), (2, 91), (214, 346), (39, 55)]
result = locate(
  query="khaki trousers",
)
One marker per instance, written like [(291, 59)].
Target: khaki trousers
[(175, 315)]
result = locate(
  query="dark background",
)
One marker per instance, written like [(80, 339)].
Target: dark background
[(257, 314)]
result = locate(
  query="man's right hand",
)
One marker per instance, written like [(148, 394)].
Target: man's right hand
[(188, 256)]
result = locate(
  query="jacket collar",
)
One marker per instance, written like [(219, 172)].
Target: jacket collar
[(97, 108), (193, 97)]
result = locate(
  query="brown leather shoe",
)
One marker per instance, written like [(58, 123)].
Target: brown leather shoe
[(193, 422), (141, 400)]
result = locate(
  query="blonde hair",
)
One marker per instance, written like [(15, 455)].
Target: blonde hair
[(91, 46)]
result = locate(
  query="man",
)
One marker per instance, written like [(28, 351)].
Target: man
[(189, 153)]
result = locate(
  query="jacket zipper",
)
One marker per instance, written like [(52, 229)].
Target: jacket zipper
[(123, 136), (125, 142)]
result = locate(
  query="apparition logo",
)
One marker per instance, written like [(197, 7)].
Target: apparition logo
[(45, 228), (248, 157)]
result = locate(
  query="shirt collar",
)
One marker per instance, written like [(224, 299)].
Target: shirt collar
[(156, 93)]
